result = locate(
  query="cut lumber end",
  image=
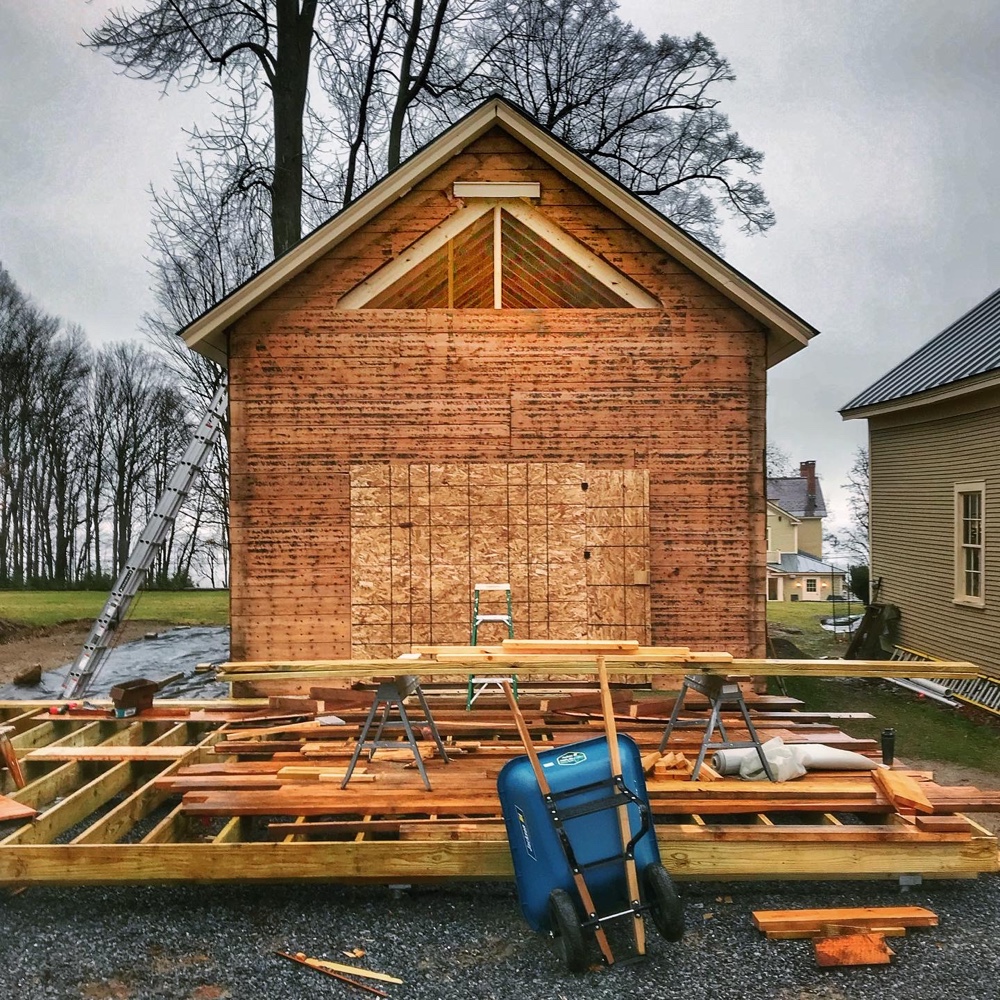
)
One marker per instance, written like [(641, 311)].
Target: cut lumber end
[(853, 949)]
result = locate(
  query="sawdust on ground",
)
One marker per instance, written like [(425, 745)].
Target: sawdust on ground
[(53, 645)]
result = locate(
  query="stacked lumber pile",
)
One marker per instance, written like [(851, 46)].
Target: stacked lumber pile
[(295, 769), (848, 936), (240, 790)]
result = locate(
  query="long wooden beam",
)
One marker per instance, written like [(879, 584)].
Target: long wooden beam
[(420, 861), (650, 665)]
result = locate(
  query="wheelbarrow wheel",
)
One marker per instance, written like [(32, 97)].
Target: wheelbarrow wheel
[(665, 906), (567, 934)]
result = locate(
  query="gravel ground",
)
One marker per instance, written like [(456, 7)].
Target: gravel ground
[(215, 942)]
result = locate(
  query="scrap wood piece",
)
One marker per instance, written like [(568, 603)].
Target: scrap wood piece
[(353, 970), (853, 949), (902, 791), (812, 922), (312, 963), (943, 824), (12, 809)]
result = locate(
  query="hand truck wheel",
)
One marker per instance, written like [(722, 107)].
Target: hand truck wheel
[(567, 934), (665, 906)]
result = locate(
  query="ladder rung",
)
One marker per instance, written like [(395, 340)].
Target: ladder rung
[(492, 618)]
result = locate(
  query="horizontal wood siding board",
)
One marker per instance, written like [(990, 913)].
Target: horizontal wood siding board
[(678, 392), (914, 471)]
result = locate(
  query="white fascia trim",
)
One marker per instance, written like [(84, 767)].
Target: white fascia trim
[(651, 224), (787, 333)]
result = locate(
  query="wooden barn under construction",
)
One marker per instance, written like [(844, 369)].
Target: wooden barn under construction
[(496, 365)]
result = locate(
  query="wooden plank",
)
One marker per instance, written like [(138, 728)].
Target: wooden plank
[(11, 810), (903, 792), (107, 753), (944, 824), (813, 921)]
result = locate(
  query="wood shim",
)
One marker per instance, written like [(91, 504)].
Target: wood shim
[(12, 809)]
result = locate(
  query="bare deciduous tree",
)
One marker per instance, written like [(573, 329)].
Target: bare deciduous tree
[(646, 111), (858, 486), (257, 45)]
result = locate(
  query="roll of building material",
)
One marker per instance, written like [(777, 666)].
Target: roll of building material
[(812, 756)]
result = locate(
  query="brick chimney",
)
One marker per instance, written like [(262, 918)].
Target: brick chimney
[(807, 470)]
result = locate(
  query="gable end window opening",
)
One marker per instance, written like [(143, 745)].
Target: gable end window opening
[(970, 544)]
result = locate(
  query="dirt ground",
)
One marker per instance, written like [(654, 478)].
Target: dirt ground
[(53, 645)]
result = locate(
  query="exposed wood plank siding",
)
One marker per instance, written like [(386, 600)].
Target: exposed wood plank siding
[(916, 461), (678, 391)]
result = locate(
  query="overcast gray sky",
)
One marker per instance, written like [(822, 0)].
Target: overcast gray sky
[(879, 120)]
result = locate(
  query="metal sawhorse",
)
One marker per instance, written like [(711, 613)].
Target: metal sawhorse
[(720, 692), (392, 695)]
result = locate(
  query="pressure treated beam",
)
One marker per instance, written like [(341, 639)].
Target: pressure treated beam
[(418, 861)]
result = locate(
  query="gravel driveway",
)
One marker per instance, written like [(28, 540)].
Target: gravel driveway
[(214, 942)]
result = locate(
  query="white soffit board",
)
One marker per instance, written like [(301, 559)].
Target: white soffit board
[(496, 189)]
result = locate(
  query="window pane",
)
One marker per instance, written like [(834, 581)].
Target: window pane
[(972, 518)]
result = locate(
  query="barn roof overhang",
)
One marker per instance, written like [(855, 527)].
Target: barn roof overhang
[(787, 332)]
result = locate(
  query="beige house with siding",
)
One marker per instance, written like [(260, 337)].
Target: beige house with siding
[(934, 441), (795, 567)]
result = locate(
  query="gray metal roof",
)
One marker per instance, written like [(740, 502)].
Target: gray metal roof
[(802, 562), (791, 494), (969, 347)]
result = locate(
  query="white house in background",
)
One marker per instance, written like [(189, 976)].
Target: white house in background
[(795, 567)]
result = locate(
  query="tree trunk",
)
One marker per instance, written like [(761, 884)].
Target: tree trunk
[(289, 88)]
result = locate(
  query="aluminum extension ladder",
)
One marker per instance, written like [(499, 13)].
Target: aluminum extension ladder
[(97, 644), (981, 692)]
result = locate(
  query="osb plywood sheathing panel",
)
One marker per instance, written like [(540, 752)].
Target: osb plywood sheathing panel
[(573, 543)]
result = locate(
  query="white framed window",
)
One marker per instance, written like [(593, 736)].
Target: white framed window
[(970, 548), (810, 586)]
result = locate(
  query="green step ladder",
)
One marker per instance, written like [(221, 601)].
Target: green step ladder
[(478, 684)]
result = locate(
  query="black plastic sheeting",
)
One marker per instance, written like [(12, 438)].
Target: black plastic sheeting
[(174, 651)]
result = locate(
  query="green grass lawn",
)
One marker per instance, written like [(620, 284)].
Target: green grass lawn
[(924, 729), (802, 619), (179, 607)]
